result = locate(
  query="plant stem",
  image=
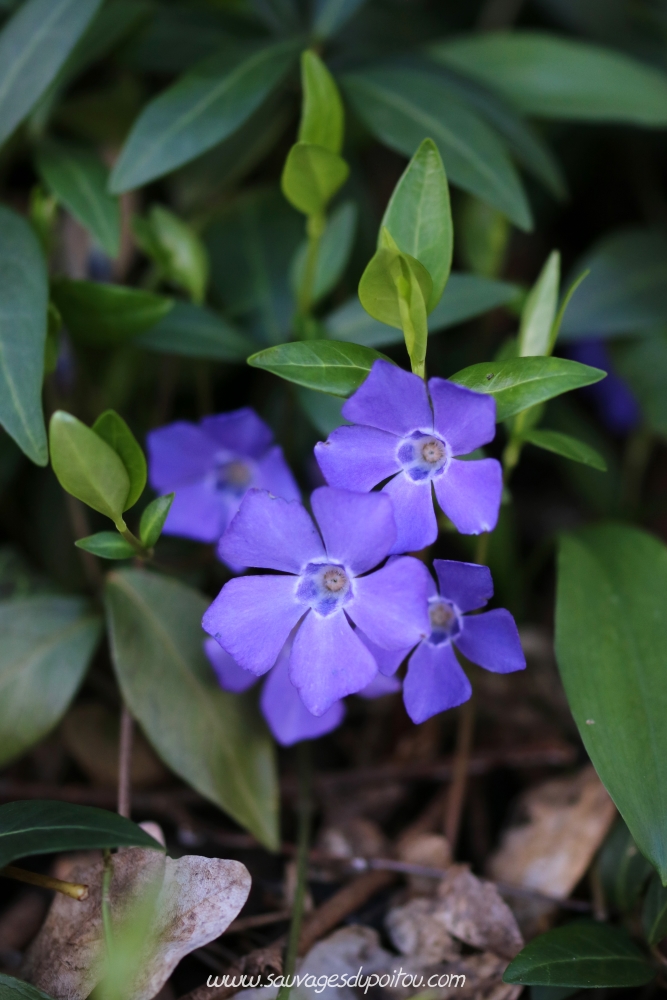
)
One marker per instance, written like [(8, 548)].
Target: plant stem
[(125, 763), (457, 789), (638, 449), (315, 227), (141, 550), (305, 808), (74, 890), (482, 548)]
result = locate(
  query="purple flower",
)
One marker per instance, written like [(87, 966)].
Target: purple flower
[(613, 397), (413, 441), (435, 680), (211, 466), (325, 584)]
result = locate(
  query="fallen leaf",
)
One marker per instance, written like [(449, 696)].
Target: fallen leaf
[(353, 838), (473, 911), (429, 850), (418, 930)]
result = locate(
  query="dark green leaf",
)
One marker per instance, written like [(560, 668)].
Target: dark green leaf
[(402, 107), (107, 545), (327, 365), (210, 738), (153, 518), (568, 447), (581, 954), (311, 177), (322, 115), (23, 304), (47, 644), (334, 253), (196, 332), (34, 44), (561, 78), (16, 989), (322, 410), (643, 363), (176, 249), (611, 631), (519, 383), (102, 315), (112, 428), (206, 106), (331, 15), (654, 913), (623, 869), (42, 827)]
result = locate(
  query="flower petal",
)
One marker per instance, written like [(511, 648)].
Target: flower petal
[(469, 493), (328, 661), (390, 606), (358, 528), (465, 419), (274, 474), (252, 617), (491, 640), (392, 399), (271, 533), (199, 512), (288, 718), (178, 453), (357, 458), (434, 682), (416, 524), (468, 585), (388, 660), (241, 432), (231, 677)]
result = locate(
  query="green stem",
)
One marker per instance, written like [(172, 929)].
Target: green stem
[(512, 452), (305, 808), (315, 227), (482, 548), (638, 451), (141, 550)]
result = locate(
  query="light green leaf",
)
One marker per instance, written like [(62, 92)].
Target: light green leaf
[(111, 427), (419, 217), (519, 383), (379, 286), (611, 631), (567, 446), (101, 315), (153, 518), (331, 15), (334, 252), (23, 305), (17, 989), (87, 467), (176, 249), (106, 545), (210, 738), (196, 332), (561, 78), (539, 311), (401, 107), (325, 365), (34, 44), (201, 109), (654, 913), (623, 869), (78, 179), (322, 115), (311, 177)]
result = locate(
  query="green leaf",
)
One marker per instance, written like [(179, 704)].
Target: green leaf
[(322, 410), (111, 427), (401, 107), (581, 954), (87, 467), (210, 738), (386, 272), (17, 989), (331, 15), (561, 78), (552, 992), (43, 827), (153, 518), (106, 545), (519, 383), (539, 311), (196, 332), (201, 109), (322, 115), (654, 912), (47, 644), (176, 249), (567, 446), (23, 305), (326, 365), (34, 44), (643, 364), (623, 869), (419, 217), (611, 631), (311, 177), (334, 253), (78, 180), (101, 315)]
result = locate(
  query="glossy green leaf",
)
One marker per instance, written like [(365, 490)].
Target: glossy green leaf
[(34, 44), (642, 362), (561, 78), (87, 467), (322, 115), (401, 107), (326, 365), (78, 179), (47, 644), (311, 177), (200, 110), (610, 634), (581, 954), (177, 250), (623, 869), (106, 545), (331, 15), (196, 332), (102, 315), (567, 446), (334, 252), (654, 912), (17, 989), (519, 383), (153, 518), (43, 827), (23, 305), (419, 217), (111, 427), (539, 311), (210, 738)]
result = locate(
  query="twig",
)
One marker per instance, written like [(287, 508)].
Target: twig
[(125, 763), (74, 890), (259, 920), (457, 789), (106, 911)]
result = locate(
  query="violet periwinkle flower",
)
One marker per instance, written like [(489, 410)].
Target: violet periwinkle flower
[(615, 401), (435, 680), (326, 583), (400, 432), (211, 466)]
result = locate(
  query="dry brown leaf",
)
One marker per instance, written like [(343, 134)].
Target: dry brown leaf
[(91, 735), (473, 911), (353, 838), (429, 850), (417, 930)]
